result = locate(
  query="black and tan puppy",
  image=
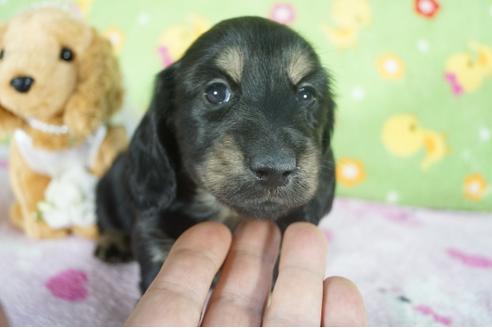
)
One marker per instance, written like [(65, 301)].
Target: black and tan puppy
[(239, 127)]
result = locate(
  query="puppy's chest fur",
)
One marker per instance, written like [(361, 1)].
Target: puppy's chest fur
[(205, 206)]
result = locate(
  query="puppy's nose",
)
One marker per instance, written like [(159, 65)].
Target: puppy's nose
[(22, 83), (273, 171)]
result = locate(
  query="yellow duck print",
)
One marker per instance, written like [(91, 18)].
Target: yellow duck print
[(465, 72), (176, 39), (349, 17), (116, 37), (403, 136), (85, 6)]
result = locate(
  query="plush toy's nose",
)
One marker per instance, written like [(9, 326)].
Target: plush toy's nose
[(22, 83)]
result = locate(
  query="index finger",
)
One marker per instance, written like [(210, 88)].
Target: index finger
[(297, 296), (178, 293)]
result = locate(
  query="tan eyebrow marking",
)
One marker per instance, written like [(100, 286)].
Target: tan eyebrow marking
[(299, 66), (232, 62)]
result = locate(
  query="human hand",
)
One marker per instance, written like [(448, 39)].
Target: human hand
[(3, 318), (178, 294)]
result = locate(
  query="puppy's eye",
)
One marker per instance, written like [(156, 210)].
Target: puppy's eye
[(305, 95), (2, 52), (67, 54), (217, 93)]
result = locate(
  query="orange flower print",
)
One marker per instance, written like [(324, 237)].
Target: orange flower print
[(390, 67), (475, 187), (350, 172)]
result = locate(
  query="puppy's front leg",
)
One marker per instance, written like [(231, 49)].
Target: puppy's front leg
[(150, 246)]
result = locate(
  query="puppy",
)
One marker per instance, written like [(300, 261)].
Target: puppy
[(239, 127)]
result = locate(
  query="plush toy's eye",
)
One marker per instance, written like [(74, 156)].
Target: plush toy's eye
[(66, 54), (306, 95), (2, 52), (217, 93)]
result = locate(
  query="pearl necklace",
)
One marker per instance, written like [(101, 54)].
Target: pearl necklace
[(46, 127)]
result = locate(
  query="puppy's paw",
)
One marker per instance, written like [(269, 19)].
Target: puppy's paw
[(113, 247)]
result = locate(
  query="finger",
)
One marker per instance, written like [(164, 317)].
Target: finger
[(298, 292), (177, 294), (246, 278), (3, 318), (342, 304)]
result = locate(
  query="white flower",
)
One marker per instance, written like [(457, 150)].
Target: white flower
[(69, 199)]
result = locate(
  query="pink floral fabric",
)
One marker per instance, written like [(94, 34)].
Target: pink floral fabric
[(413, 267)]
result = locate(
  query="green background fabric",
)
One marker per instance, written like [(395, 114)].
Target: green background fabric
[(394, 63)]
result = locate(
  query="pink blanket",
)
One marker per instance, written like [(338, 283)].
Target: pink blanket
[(413, 266)]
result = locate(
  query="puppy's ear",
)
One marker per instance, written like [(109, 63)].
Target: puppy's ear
[(99, 91), (329, 121), (152, 151), (327, 156)]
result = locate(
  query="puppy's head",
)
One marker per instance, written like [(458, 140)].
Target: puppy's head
[(252, 116)]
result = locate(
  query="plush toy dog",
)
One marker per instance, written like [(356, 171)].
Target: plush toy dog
[(59, 85)]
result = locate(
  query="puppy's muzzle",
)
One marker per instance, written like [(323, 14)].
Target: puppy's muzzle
[(22, 84), (273, 170)]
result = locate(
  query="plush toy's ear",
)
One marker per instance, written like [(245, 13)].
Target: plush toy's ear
[(3, 113), (3, 27), (152, 154), (8, 121), (99, 91)]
